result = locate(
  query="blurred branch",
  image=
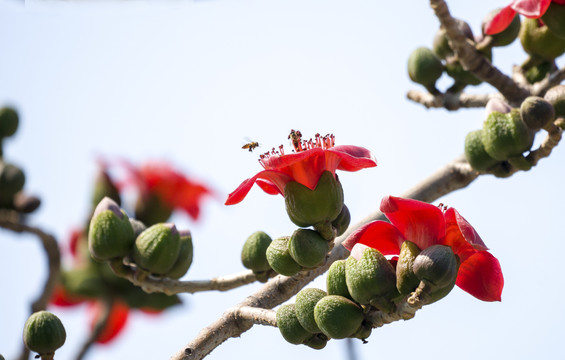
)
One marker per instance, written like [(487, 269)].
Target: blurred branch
[(540, 88), (451, 101), (98, 328), (474, 61), (455, 175), (11, 220)]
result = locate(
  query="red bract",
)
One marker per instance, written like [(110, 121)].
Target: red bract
[(533, 9), (170, 186), (304, 166), (115, 323), (425, 225)]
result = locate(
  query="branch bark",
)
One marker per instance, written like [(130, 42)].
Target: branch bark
[(451, 101)]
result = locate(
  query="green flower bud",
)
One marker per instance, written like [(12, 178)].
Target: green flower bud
[(406, 280), (44, 333), (556, 97), (536, 112), (338, 317), (26, 204), (308, 248), (335, 281), (9, 121), (441, 44), (369, 277), (456, 71), (157, 248), (424, 67), (12, 180), (506, 135), (539, 41), (84, 281), (508, 35), (437, 265), (137, 226), (363, 333), (475, 152), (341, 222), (110, 234), (254, 252), (539, 72), (279, 257), (151, 210), (184, 259), (290, 327), (554, 19), (438, 294), (104, 187), (307, 207), (317, 341), (306, 300), (136, 298)]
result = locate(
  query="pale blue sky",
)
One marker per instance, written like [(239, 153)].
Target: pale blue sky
[(189, 81)]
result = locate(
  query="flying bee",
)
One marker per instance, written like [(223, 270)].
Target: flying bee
[(251, 145)]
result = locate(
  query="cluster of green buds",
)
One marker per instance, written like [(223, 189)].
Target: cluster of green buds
[(508, 133), (12, 177), (160, 249), (357, 287), (44, 333)]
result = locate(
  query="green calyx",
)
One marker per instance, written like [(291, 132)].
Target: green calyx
[(406, 280), (508, 35), (424, 67), (289, 326), (506, 135), (9, 121), (44, 333), (536, 112), (317, 341), (437, 265), (370, 277), (279, 258), (84, 281), (456, 71), (539, 71), (254, 251), (104, 187), (475, 152), (307, 207), (336, 283), (12, 180), (151, 210), (540, 41), (308, 248), (110, 233), (184, 259), (306, 301), (341, 222), (338, 317), (554, 19), (157, 248), (556, 97)]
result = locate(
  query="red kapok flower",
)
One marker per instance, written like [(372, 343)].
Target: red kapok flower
[(115, 323), (305, 165), (425, 225), (533, 9)]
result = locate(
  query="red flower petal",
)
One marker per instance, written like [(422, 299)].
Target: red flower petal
[(379, 235), (304, 167), (277, 178), (500, 21), (116, 321), (353, 158), (62, 298), (268, 187), (559, 2), (461, 236), (531, 8), (419, 222), (481, 276)]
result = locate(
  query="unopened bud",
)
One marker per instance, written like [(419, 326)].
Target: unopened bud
[(437, 265), (338, 317), (157, 248), (279, 258), (308, 248), (306, 300)]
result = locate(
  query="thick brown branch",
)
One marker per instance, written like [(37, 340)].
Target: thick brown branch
[(451, 177), (451, 101), (474, 61), (256, 315)]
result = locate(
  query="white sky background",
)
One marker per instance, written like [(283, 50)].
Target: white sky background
[(188, 82)]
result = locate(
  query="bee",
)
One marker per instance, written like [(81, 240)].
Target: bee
[(251, 145), (295, 137)]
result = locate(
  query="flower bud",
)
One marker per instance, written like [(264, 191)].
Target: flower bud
[(341, 222), (441, 44), (539, 41), (475, 152), (136, 298), (110, 234), (254, 252), (456, 71), (508, 35), (84, 281), (290, 327), (424, 67), (363, 333), (151, 210), (306, 300), (335, 280), (157, 248), (437, 265), (26, 204), (279, 257), (337, 316), (506, 135), (12, 180), (104, 187), (9, 121), (317, 341), (307, 207), (539, 71), (369, 277), (536, 112), (184, 259), (308, 248), (44, 333), (438, 294), (556, 97), (406, 280), (554, 19), (137, 226)]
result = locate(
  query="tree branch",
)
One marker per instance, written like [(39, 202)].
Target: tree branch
[(97, 330), (451, 101), (473, 61), (540, 88)]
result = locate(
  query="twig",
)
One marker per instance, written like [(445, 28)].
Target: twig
[(451, 101), (256, 315), (455, 175), (12, 221), (97, 330), (540, 88), (473, 61)]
